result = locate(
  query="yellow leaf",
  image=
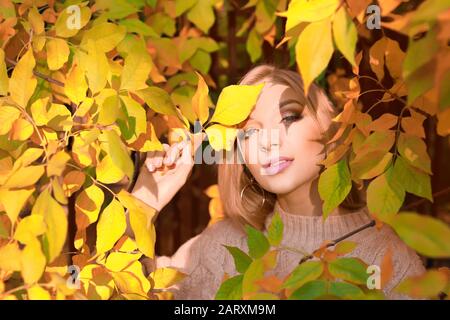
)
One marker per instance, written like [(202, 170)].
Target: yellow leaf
[(25, 177), (21, 130), (4, 80), (57, 53), (66, 24), (89, 203), (308, 11), (105, 36), (132, 282), (57, 163), (165, 277), (345, 34), (56, 116), (13, 201), (135, 111), (75, 87), (313, 52), (118, 152), (141, 221), (72, 182), (158, 99), (10, 256), (111, 226), (200, 100), (36, 21), (29, 228), (36, 292), (119, 261), (84, 107), (136, 69), (235, 103), (8, 115), (56, 221), (23, 82), (110, 108), (84, 150), (221, 137), (96, 67), (97, 282), (107, 172), (32, 262), (58, 191), (29, 156)]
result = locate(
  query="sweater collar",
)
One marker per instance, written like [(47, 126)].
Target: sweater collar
[(312, 229)]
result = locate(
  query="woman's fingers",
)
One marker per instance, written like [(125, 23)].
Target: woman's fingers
[(174, 153), (154, 159)]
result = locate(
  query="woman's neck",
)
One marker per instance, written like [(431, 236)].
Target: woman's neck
[(305, 200)]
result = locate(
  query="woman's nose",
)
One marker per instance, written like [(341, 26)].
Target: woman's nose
[(269, 138)]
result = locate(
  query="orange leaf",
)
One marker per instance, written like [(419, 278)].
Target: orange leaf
[(386, 267)]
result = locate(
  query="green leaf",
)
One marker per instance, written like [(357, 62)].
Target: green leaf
[(334, 186), (345, 290), (254, 45), (385, 195), (310, 290), (257, 242), (182, 6), (241, 259), (370, 165), (419, 53), (202, 15), (414, 180), (345, 34), (230, 289), (275, 230), (428, 236), (414, 150), (425, 286), (305, 272), (349, 269), (201, 60), (376, 141), (254, 272), (139, 27), (158, 100)]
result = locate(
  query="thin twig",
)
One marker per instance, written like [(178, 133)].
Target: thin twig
[(336, 241), (39, 74)]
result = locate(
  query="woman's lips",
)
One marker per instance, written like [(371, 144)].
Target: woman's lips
[(276, 167)]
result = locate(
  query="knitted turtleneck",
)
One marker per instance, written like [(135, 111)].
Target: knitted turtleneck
[(205, 260)]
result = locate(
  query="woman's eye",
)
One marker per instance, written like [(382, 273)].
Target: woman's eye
[(249, 132), (291, 118)]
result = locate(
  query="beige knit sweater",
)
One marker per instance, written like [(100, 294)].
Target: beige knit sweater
[(204, 259)]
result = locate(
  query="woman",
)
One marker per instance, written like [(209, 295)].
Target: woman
[(284, 178)]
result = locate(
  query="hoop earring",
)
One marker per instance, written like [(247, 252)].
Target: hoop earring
[(253, 183)]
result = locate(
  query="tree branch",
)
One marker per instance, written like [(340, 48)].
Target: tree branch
[(38, 74)]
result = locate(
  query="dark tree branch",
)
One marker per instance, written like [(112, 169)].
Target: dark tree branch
[(38, 74)]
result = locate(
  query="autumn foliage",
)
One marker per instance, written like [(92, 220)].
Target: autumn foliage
[(87, 87)]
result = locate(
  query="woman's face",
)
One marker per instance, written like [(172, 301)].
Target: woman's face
[(276, 142)]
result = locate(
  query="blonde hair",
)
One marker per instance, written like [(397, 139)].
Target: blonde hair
[(233, 177)]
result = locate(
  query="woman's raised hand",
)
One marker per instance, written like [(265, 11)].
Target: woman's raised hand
[(164, 173)]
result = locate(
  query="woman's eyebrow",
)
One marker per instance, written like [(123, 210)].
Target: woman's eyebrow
[(288, 101)]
